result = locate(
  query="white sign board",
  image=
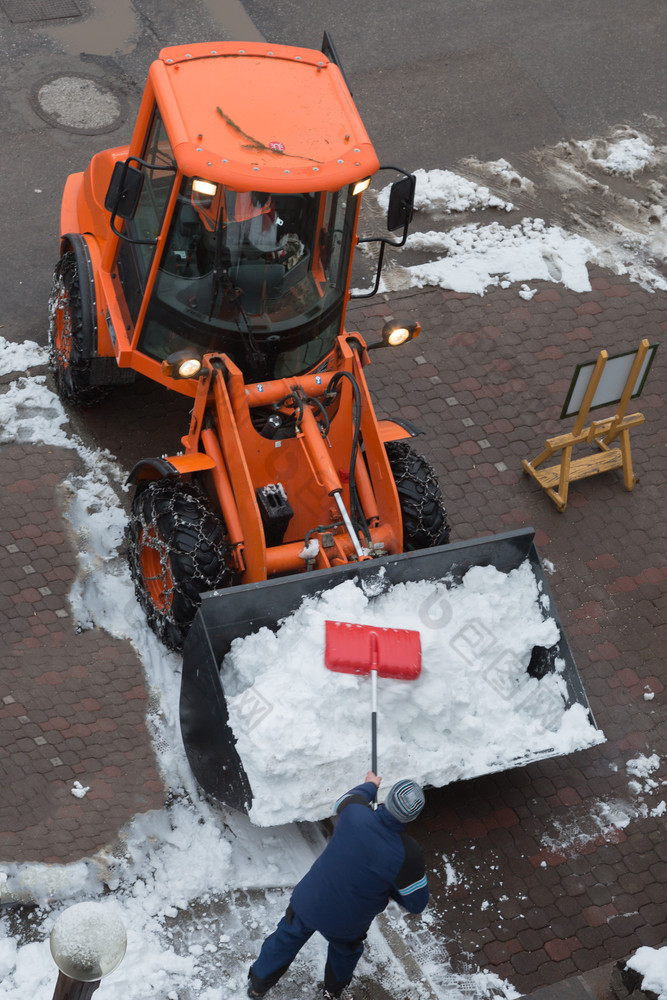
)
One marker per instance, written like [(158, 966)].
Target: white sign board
[(612, 383)]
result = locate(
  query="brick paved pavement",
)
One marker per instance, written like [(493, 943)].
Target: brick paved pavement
[(542, 890), (72, 706), (532, 876)]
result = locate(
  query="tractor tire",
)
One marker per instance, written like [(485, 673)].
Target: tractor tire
[(72, 334), (177, 549), (424, 514)]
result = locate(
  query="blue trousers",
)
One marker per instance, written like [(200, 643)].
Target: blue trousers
[(281, 948)]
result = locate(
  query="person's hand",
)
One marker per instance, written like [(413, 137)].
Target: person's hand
[(375, 778)]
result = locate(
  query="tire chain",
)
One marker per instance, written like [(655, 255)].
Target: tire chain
[(420, 496), (59, 357), (70, 364), (197, 525)]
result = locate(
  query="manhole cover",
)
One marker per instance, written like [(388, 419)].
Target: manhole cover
[(23, 11), (78, 104)]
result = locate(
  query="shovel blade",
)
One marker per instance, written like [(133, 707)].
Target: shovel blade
[(359, 649)]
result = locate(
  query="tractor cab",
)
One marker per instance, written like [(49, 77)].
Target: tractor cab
[(257, 275), (233, 213)]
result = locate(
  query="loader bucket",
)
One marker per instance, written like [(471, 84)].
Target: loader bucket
[(239, 611)]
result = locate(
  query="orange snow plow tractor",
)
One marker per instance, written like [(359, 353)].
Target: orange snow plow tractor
[(213, 255)]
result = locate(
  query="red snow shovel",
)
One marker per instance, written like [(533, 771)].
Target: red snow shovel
[(360, 649)]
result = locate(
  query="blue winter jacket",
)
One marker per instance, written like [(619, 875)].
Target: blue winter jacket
[(368, 860)]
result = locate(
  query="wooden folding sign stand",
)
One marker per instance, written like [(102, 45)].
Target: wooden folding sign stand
[(592, 388)]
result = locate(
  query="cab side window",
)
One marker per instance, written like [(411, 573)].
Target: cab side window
[(134, 259)]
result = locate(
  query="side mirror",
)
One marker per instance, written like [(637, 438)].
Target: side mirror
[(125, 187), (399, 216), (401, 203)]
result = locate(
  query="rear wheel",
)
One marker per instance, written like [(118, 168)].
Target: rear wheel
[(424, 514), (177, 550), (72, 335)]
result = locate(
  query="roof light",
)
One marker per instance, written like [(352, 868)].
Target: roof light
[(361, 186), (204, 187)]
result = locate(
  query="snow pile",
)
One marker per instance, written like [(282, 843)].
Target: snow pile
[(628, 237), (168, 863), (643, 766), (444, 191), (624, 221), (20, 357), (478, 257), (503, 171), (641, 784), (626, 156), (440, 728), (651, 964), (31, 412)]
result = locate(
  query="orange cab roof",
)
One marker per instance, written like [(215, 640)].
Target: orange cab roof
[(261, 117)]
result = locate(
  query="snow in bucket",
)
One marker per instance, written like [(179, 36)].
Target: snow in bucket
[(473, 710)]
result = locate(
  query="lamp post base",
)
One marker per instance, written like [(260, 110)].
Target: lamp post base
[(72, 989)]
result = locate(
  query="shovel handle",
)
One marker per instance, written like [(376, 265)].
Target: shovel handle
[(374, 722)]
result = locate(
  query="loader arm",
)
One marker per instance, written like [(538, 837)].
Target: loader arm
[(311, 463)]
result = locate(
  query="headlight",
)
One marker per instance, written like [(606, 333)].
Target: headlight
[(182, 364), (189, 368), (395, 334)]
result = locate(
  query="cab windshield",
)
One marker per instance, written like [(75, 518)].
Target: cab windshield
[(255, 275)]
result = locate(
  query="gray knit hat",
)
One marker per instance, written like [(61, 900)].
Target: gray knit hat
[(405, 800)]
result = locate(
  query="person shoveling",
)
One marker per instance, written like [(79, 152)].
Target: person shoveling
[(369, 860)]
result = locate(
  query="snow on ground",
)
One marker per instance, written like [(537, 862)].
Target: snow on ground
[(20, 357), (197, 887), (587, 822), (651, 964), (500, 171), (643, 785), (476, 257), (442, 727), (445, 192), (622, 154), (627, 236)]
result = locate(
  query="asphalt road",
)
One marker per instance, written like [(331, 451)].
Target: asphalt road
[(441, 79)]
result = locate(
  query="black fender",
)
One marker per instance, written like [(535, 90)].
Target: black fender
[(398, 429), (79, 247), (104, 370), (170, 467)]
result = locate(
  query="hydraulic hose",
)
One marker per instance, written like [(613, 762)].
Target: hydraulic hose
[(356, 509)]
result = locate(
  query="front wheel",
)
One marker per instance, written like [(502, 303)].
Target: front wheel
[(177, 549), (424, 514), (72, 334)]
